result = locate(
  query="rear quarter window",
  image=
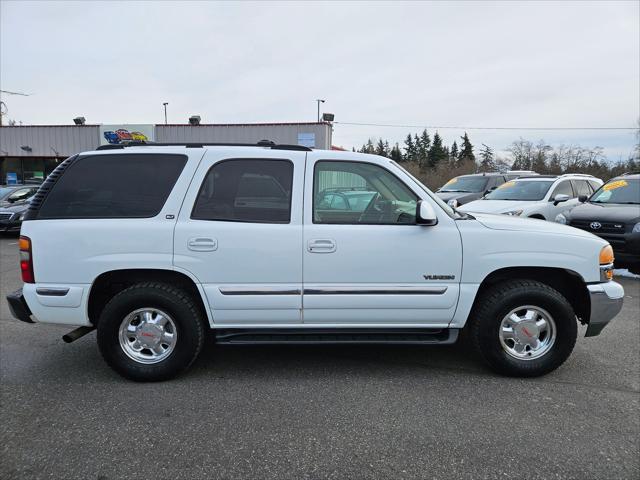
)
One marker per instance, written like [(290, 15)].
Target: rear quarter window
[(114, 186)]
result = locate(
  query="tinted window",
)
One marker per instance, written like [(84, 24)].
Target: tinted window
[(246, 191), (114, 186), (368, 194), (525, 190), (581, 187), (21, 194), (563, 188)]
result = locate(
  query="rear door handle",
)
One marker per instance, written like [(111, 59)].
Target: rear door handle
[(202, 244), (321, 245)]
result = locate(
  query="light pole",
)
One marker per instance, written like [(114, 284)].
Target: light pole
[(319, 100), (165, 112)]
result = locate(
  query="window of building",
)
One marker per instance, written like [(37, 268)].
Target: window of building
[(114, 186), (246, 190)]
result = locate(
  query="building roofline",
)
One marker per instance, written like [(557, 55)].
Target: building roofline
[(179, 124)]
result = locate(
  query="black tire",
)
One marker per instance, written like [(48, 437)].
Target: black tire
[(493, 307), (185, 314)]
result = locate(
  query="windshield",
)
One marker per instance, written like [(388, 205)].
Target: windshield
[(525, 190), (465, 184), (618, 191)]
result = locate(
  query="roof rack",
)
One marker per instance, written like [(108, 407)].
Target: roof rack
[(261, 143), (537, 176), (630, 173), (576, 175)]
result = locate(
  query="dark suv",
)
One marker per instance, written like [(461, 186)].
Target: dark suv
[(613, 213), (466, 188)]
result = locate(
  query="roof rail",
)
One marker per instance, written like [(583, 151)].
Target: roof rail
[(537, 176), (261, 143), (630, 173), (576, 175)]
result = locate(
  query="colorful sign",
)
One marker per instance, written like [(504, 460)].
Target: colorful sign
[(120, 134), (614, 185), (12, 178)]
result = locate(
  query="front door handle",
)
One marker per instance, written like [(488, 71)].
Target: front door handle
[(321, 245), (202, 244)]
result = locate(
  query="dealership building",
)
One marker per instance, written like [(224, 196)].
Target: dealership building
[(31, 152)]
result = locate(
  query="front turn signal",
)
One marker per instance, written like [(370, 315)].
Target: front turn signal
[(606, 264), (606, 255)]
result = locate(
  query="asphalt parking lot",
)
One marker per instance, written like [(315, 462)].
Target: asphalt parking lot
[(321, 412)]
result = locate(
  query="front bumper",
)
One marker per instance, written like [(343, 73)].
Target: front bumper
[(606, 302), (19, 307)]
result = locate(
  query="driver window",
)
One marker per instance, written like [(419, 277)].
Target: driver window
[(360, 193), (563, 188)]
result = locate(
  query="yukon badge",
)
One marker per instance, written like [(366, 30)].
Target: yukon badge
[(439, 277)]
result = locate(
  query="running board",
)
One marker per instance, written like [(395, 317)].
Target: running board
[(316, 336)]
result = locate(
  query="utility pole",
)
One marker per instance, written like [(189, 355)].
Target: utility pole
[(165, 112), (319, 101)]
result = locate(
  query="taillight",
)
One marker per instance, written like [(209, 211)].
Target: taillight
[(26, 260)]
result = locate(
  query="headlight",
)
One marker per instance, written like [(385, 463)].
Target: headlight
[(636, 228), (453, 203), (21, 216), (561, 219), (513, 213)]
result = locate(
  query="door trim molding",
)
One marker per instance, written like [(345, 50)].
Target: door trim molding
[(259, 291), (400, 290)]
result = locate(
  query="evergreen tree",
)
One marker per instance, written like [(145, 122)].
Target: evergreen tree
[(424, 144), (396, 154), (380, 150), (436, 153), (409, 149), (466, 150), (487, 163), (454, 151)]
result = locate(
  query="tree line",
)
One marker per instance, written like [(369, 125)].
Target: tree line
[(434, 163)]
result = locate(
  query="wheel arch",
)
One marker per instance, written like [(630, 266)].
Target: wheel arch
[(569, 283), (109, 283)]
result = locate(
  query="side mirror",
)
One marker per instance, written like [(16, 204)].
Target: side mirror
[(583, 198), (561, 197), (425, 214)]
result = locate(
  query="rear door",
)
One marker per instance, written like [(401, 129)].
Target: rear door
[(239, 233)]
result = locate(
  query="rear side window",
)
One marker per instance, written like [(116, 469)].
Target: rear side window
[(246, 190), (114, 186), (581, 187)]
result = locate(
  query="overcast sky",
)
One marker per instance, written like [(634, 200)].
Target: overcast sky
[(475, 64)]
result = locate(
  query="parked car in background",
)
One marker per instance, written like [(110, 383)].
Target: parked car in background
[(466, 188), (11, 216), (539, 196), (612, 213), (11, 194)]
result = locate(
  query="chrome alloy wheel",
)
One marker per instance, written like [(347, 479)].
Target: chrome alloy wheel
[(527, 332), (147, 335)]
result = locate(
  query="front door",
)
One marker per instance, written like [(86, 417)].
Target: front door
[(239, 233), (366, 261)]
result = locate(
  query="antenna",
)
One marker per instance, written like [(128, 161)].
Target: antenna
[(3, 106)]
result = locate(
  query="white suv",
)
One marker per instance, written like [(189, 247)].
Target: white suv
[(156, 245), (540, 196)]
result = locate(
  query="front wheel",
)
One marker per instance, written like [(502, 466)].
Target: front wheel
[(150, 332), (523, 328)]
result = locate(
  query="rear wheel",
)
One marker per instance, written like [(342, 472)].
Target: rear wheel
[(523, 328), (150, 332)]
